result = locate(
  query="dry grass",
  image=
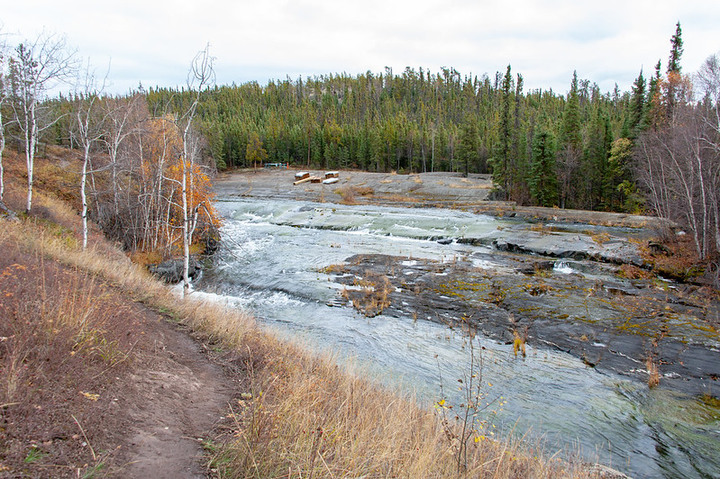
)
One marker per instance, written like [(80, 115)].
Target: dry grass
[(62, 342), (374, 295), (349, 194), (678, 259), (300, 415), (629, 271), (309, 419)]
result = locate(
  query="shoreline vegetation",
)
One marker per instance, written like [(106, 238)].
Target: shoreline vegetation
[(293, 414)]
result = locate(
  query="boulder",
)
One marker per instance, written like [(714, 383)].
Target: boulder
[(7, 213), (171, 270)]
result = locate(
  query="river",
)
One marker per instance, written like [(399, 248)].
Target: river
[(272, 263)]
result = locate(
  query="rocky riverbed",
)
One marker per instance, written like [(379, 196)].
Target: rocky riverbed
[(625, 326), (574, 281)]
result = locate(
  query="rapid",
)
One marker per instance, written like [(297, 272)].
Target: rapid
[(274, 262)]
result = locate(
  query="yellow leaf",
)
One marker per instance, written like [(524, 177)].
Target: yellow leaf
[(90, 396)]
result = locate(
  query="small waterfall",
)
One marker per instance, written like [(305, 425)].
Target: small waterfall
[(563, 267)]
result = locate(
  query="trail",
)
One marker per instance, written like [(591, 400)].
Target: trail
[(175, 398)]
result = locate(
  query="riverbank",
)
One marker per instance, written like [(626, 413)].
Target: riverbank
[(633, 322), (421, 190), (120, 378)]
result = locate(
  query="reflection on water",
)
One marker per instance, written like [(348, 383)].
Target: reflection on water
[(271, 261)]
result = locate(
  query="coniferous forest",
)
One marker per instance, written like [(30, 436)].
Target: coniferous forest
[(654, 149), (419, 121)]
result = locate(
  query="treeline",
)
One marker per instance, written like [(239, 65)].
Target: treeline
[(652, 149), (421, 121)]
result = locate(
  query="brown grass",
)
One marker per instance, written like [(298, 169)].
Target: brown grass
[(374, 295), (349, 194), (679, 260), (63, 341), (300, 415), (633, 272)]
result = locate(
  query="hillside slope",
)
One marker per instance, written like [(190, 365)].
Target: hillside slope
[(104, 372)]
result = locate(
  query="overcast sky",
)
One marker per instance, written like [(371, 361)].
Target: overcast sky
[(153, 41)]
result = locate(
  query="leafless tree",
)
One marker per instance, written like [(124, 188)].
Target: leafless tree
[(123, 117), (200, 76), (3, 97), (35, 68), (708, 81), (88, 130), (678, 162)]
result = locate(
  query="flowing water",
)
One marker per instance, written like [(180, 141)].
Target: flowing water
[(271, 264)]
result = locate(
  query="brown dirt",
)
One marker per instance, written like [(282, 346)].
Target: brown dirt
[(151, 412), (93, 383), (174, 401)]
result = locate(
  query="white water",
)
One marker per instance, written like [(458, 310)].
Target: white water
[(270, 265)]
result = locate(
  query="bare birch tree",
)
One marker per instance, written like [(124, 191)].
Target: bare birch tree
[(708, 80), (678, 161), (122, 123), (35, 68), (3, 97), (200, 76), (88, 131)]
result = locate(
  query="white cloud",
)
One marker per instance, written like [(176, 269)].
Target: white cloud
[(153, 41)]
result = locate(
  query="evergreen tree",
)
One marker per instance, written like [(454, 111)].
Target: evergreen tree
[(676, 51), (594, 164), (519, 158), (626, 197), (636, 116), (543, 180), (468, 148), (414, 122), (255, 153), (654, 110), (673, 69), (571, 128), (501, 163), (571, 146)]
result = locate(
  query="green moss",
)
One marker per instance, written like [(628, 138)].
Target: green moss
[(711, 402)]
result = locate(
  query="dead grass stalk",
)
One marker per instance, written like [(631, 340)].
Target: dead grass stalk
[(300, 416)]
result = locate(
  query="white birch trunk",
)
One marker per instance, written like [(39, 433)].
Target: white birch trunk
[(29, 130), (2, 150), (83, 195)]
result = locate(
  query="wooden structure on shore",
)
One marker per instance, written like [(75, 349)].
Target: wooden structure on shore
[(304, 177)]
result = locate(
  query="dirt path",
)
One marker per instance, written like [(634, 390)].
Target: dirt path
[(176, 396), (108, 387)]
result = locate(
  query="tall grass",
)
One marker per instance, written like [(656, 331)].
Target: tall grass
[(62, 338), (297, 414)]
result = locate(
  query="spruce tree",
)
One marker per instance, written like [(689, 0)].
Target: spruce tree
[(570, 146), (654, 105), (468, 148), (636, 116), (676, 51), (571, 133), (673, 69), (543, 181), (501, 163)]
